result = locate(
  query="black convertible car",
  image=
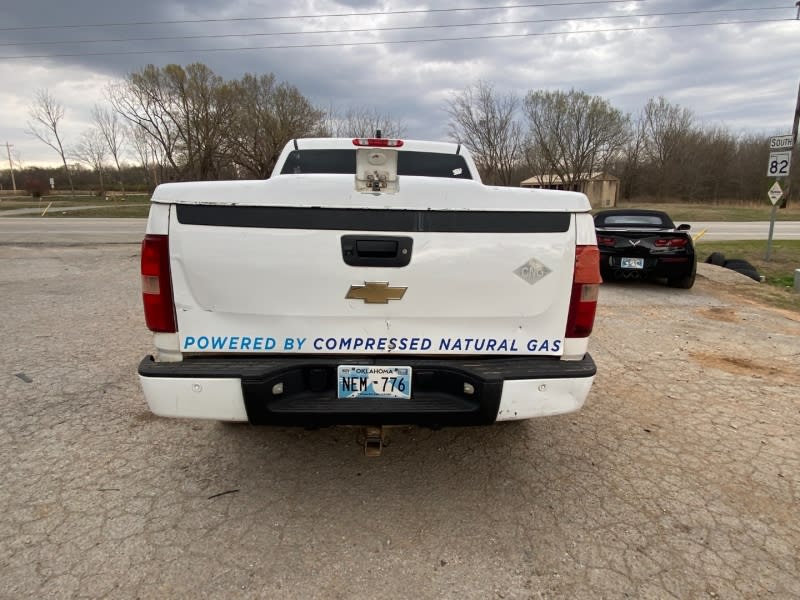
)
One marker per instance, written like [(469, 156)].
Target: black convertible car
[(638, 244)]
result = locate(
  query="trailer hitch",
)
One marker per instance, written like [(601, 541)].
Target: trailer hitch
[(373, 441)]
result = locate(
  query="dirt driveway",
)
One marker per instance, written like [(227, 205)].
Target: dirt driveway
[(680, 478)]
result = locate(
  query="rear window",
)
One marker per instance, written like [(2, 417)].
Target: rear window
[(634, 220), (343, 162)]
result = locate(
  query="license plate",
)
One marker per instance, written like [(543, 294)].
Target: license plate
[(372, 381), (632, 263)]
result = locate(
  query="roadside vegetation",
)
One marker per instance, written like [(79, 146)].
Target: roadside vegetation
[(777, 290), (135, 205), (682, 212)]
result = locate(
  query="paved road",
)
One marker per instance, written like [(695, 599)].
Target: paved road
[(679, 479), (76, 231), (26, 230), (753, 230)]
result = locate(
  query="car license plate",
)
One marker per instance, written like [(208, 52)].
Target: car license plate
[(632, 263), (373, 381)]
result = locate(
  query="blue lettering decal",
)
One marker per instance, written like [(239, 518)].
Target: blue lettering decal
[(318, 343), (545, 346), (392, 344), (288, 343), (345, 343), (369, 344), (300, 342), (503, 346), (381, 344), (357, 343), (202, 342), (556, 345), (245, 345), (403, 344), (532, 345), (514, 346), (426, 344), (444, 344), (456, 344), (490, 344), (414, 345), (479, 344), (258, 343), (218, 343), (269, 343), (188, 341), (234, 343)]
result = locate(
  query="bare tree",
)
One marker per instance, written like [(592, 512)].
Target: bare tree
[(46, 114), (487, 123), (266, 115), (187, 112), (93, 151), (148, 151), (362, 121), (574, 133), (667, 129), (113, 132)]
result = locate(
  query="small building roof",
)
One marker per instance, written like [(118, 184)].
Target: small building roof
[(553, 179)]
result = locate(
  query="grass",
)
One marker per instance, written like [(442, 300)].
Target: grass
[(129, 206), (779, 270), (685, 212)]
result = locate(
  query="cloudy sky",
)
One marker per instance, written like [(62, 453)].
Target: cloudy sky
[(742, 75)]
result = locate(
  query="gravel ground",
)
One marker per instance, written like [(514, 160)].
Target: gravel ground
[(679, 479)]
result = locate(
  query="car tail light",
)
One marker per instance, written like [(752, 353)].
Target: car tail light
[(605, 240), (159, 311), (671, 242), (378, 142), (585, 289)]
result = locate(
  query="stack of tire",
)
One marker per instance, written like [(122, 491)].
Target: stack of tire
[(735, 264)]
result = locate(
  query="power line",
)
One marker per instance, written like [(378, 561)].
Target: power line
[(318, 16), (394, 42), (378, 29)]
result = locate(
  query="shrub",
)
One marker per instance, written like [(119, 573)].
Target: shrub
[(36, 187)]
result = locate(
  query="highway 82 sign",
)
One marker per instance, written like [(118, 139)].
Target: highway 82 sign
[(779, 163)]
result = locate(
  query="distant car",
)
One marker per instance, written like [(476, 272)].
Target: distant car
[(640, 244)]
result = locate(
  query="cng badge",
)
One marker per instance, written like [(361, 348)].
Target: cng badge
[(375, 292)]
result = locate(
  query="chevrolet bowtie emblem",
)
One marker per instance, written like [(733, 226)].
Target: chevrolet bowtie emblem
[(375, 292)]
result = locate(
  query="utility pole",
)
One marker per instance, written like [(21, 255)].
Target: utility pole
[(788, 193), (11, 165)]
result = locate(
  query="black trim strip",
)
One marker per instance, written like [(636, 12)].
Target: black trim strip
[(368, 219), (295, 143)]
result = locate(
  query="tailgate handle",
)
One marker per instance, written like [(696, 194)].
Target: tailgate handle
[(376, 250)]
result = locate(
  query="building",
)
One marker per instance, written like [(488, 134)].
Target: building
[(601, 188)]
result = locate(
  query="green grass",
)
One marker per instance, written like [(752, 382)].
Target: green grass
[(779, 270), (120, 211), (129, 206), (683, 212)]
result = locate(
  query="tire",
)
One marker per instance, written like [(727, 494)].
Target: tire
[(716, 258), (743, 267), (684, 282)]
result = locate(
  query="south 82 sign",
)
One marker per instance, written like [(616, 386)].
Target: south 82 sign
[(779, 163)]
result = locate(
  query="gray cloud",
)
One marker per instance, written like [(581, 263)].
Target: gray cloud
[(743, 76)]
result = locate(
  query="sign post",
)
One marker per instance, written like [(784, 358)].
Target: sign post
[(774, 193)]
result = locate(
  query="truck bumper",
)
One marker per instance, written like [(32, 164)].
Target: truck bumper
[(446, 392)]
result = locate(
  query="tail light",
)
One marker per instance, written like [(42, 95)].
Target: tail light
[(671, 242), (606, 240), (377, 142), (159, 311), (585, 289)]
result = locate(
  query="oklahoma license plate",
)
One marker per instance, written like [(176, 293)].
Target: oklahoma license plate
[(632, 263), (373, 381)]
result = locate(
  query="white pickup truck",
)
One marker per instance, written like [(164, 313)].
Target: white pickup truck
[(368, 282)]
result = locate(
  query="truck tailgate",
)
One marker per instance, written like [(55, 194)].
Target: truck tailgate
[(275, 279)]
